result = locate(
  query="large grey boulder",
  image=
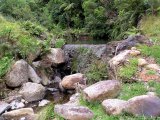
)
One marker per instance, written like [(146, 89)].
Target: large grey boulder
[(97, 50), (4, 107), (33, 75), (32, 91), (70, 81), (17, 114), (70, 112), (114, 106), (18, 74), (102, 90), (144, 105)]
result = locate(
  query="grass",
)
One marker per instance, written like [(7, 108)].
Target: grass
[(155, 85), (152, 51), (47, 113), (150, 26), (151, 72), (127, 71), (128, 91), (131, 90)]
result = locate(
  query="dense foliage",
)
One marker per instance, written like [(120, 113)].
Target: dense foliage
[(101, 18)]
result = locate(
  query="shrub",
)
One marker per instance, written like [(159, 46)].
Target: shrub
[(59, 43), (5, 64), (15, 40), (96, 71)]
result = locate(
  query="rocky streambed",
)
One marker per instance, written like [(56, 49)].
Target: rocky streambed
[(60, 76)]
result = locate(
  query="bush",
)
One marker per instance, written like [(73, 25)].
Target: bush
[(5, 64), (59, 43), (19, 9), (97, 71), (15, 40)]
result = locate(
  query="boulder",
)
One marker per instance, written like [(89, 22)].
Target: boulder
[(17, 114), (32, 91), (69, 82), (4, 107), (144, 105), (98, 50), (153, 67), (142, 62), (33, 75), (132, 41), (70, 112), (55, 57), (18, 74), (120, 58), (102, 90), (113, 106)]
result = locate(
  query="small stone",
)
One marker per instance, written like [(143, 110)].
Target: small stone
[(135, 52), (142, 62), (114, 106), (153, 67), (152, 93), (52, 89), (43, 103), (133, 48)]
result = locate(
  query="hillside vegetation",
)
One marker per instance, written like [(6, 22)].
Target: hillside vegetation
[(32, 29)]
